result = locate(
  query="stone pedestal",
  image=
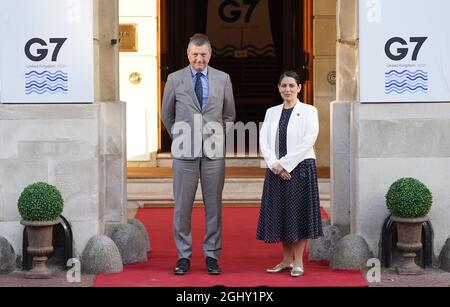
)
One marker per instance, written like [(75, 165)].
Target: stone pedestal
[(79, 148)]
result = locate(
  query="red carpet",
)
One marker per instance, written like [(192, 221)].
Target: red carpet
[(243, 261)]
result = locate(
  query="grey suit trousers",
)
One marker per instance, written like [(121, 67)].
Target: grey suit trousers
[(186, 174)]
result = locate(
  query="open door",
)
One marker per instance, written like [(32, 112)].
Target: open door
[(161, 51), (254, 66)]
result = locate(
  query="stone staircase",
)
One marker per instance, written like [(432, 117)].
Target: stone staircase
[(239, 190)]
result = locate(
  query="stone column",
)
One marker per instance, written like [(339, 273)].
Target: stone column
[(347, 50), (346, 93), (106, 50)]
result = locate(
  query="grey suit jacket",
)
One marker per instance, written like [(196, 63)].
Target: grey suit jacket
[(195, 133)]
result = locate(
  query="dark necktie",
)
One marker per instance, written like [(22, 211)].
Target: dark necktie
[(199, 89)]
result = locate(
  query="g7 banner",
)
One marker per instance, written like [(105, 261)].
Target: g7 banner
[(46, 55), (404, 50)]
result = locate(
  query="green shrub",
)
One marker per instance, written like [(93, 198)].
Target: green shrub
[(40, 201), (409, 198)]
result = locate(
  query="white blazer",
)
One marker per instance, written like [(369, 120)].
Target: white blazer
[(302, 131)]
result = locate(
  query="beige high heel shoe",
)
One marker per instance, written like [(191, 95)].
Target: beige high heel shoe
[(280, 267)]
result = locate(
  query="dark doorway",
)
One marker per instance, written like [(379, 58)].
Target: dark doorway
[(260, 39)]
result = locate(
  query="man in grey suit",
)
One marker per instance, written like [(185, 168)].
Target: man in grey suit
[(198, 103)]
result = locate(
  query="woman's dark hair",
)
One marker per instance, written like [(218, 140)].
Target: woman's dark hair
[(290, 74)]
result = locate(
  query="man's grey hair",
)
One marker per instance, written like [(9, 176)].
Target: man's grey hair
[(199, 39)]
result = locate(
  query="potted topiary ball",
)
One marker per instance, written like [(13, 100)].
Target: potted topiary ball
[(40, 205), (409, 202)]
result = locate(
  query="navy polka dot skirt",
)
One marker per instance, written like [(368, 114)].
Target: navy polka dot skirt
[(290, 210)]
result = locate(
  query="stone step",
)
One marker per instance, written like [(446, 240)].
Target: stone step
[(236, 190), (162, 200), (165, 160), (154, 185)]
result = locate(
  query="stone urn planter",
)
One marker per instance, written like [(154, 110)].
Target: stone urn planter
[(40, 236), (40, 205), (409, 201), (409, 233)]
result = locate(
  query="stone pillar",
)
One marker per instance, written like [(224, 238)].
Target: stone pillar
[(106, 50), (340, 165), (346, 93), (347, 50), (113, 153)]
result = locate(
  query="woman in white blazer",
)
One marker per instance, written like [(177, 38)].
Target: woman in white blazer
[(290, 206)]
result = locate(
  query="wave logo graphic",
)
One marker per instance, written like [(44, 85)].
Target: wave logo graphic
[(253, 51), (409, 81), (46, 82)]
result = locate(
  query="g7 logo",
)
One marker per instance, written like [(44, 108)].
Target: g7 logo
[(403, 52), (42, 53), (236, 14)]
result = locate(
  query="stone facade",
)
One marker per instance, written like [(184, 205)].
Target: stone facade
[(78, 148), (391, 141)]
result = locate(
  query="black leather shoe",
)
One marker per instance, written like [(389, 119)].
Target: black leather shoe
[(182, 267), (212, 266)]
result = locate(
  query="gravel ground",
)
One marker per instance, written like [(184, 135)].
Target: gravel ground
[(16, 279), (430, 278)]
